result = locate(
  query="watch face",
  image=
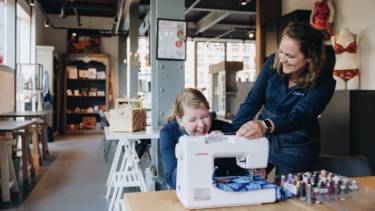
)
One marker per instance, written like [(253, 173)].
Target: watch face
[(268, 124)]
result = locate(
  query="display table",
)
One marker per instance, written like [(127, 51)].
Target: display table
[(8, 175), (41, 126), (125, 169), (168, 201)]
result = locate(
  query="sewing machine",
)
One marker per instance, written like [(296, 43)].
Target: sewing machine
[(195, 168)]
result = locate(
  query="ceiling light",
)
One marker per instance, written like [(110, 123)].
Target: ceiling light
[(251, 35), (243, 2), (32, 3), (74, 34), (46, 24)]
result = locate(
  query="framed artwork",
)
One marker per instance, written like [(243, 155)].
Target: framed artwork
[(171, 39)]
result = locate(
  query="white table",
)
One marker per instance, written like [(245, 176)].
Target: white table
[(125, 170)]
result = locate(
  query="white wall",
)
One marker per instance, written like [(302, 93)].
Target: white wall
[(110, 47), (40, 20), (57, 38), (288, 6), (359, 17)]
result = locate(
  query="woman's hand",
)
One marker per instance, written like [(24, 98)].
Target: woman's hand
[(252, 130)]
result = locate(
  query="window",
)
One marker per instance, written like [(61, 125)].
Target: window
[(23, 36), (207, 54), (190, 64), (245, 52), (214, 52), (28, 75), (2, 32)]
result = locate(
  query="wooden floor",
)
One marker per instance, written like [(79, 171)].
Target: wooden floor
[(75, 180)]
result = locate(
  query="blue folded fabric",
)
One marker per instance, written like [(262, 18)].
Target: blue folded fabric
[(248, 183), (242, 183)]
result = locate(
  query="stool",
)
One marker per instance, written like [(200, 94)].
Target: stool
[(8, 176)]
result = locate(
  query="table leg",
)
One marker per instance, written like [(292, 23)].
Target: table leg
[(154, 150), (36, 151), (33, 170), (5, 191), (44, 140), (25, 171), (12, 173)]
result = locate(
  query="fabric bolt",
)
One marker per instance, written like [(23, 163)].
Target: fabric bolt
[(246, 183)]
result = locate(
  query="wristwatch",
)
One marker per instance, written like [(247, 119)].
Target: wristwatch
[(267, 125)]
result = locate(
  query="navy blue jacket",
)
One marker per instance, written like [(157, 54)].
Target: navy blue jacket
[(169, 136), (295, 142)]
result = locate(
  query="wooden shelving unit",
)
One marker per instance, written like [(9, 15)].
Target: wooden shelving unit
[(77, 119)]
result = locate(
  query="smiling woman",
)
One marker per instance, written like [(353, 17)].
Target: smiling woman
[(293, 88)]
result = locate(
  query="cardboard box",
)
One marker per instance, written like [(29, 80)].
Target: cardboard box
[(92, 73), (127, 119), (83, 74), (100, 75), (89, 122), (72, 72)]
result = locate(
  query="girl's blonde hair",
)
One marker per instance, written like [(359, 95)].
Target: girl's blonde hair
[(190, 97)]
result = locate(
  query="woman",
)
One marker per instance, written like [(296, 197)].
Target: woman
[(190, 116), (294, 87)]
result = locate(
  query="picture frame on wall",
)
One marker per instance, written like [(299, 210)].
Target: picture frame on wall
[(171, 39)]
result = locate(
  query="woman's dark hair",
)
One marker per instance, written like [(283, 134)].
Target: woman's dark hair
[(311, 46)]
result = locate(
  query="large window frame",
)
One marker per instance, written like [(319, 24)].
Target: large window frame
[(201, 54), (3, 35), (23, 36)]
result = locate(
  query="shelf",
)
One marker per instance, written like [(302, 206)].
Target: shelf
[(83, 113), (78, 132), (84, 96), (83, 85), (70, 79)]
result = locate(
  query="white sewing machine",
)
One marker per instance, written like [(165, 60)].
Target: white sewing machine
[(195, 168)]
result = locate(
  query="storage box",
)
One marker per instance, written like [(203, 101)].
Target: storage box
[(127, 119), (100, 93), (92, 73), (72, 72), (123, 102), (100, 75), (83, 74), (89, 122)]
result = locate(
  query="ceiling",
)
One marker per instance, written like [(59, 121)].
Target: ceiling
[(206, 18)]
